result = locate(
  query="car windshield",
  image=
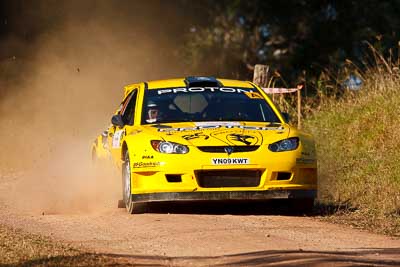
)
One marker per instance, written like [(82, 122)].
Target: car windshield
[(205, 104)]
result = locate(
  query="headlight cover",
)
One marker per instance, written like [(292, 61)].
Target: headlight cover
[(169, 147), (285, 145)]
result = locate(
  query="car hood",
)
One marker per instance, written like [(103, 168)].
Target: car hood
[(219, 133)]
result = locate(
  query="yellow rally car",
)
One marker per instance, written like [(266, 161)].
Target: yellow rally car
[(202, 138)]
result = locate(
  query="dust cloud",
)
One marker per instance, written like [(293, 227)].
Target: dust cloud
[(63, 96)]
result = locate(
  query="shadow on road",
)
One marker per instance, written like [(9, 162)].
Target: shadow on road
[(381, 257), (266, 207)]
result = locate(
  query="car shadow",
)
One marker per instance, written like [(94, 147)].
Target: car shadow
[(265, 207), (257, 207)]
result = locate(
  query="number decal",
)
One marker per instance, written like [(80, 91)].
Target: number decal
[(116, 142)]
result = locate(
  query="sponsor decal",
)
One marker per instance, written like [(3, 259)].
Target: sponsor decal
[(241, 138), (232, 137), (146, 164), (116, 141), (243, 127), (253, 95), (214, 123), (195, 136), (147, 156), (230, 161), (203, 89)]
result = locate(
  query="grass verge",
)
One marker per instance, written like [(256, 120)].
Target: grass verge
[(359, 153)]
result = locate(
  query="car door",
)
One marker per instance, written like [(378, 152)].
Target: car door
[(117, 133)]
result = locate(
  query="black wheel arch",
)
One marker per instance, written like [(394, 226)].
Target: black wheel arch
[(124, 150)]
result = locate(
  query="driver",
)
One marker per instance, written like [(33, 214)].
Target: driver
[(152, 112)]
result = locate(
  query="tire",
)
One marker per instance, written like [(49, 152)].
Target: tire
[(130, 205), (121, 204), (301, 206)]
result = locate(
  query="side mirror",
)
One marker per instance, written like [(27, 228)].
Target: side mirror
[(117, 120), (286, 117)]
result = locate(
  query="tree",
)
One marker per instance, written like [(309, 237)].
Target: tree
[(293, 37)]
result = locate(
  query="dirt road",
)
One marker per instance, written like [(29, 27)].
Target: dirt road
[(197, 235)]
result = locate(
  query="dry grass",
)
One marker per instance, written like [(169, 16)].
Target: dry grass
[(19, 248), (359, 151), (22, 249)]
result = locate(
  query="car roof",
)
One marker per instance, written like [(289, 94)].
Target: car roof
[(180, 82)]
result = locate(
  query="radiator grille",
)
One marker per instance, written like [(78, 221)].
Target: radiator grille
[(221, 149), (228, 178)]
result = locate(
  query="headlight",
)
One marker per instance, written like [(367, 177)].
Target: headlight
[(169, 147), (284, 145)]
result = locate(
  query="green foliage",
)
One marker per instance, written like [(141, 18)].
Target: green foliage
[(300, 39)]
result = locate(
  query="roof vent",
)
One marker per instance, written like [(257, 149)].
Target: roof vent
[(202, 82)]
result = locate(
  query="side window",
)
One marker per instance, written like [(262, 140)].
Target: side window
[(128, 109)]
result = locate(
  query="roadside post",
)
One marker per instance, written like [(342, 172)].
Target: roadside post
[(260, 77)]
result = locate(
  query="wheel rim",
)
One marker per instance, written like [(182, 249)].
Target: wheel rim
[(127, 181)]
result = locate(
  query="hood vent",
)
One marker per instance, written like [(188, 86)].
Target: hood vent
[(202, 82)]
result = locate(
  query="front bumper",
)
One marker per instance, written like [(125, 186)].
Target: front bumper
[(224, 195)]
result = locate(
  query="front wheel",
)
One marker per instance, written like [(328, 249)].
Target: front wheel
[(130, 205)]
